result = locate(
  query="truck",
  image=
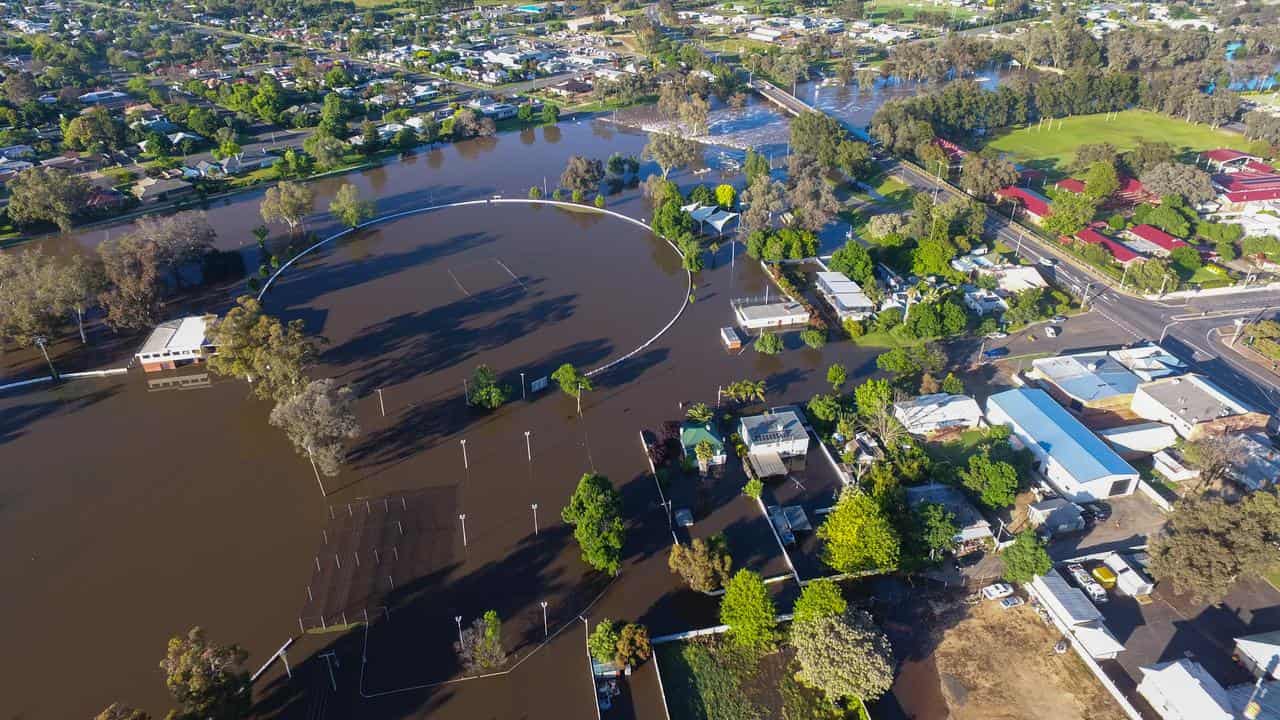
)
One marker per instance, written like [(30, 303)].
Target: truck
[(1129, 580)]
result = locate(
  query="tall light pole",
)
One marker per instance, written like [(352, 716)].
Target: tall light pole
[(523, 395), (546, 631), (458, 619), (462, 517), (41, 342), (528, 447), (534, 507), (465, 464)]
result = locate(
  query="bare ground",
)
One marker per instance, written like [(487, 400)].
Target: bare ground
[(999, 665)]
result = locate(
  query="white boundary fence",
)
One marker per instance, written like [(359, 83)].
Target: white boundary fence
[(65, 376), (490, 201)]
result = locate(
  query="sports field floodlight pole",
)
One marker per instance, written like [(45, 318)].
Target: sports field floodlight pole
[(462, 517), (381, 405), (546, 632), (465, 464), (458, 619), (523, 396), (534, 506), (528, 448)]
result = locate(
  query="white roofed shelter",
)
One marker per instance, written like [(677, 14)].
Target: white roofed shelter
[(1184, 690), (1074, 612), (1260, 653), (844, 296), (929, 414), (175, 343)]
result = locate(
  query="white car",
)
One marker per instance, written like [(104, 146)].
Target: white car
[(997, 591), (1051, 331), (1011, 602), (1048, 262)]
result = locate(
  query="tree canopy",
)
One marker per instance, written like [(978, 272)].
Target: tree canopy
[(595, 512), (857, 536), (1210, 542), (749, 612)]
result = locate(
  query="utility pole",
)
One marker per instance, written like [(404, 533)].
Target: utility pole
[(534, 506), (382, 406), (42, 342), (462, 517), (546, 632)]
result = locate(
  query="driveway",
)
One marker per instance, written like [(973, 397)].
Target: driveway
[(1133, 519)]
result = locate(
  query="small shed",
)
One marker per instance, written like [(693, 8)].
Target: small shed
[(1260, 653), (1056, 516), (731, 339)]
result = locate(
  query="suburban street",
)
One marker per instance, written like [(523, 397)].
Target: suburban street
[(1186, 326)]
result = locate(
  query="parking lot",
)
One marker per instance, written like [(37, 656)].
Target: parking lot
[(1134, 518)]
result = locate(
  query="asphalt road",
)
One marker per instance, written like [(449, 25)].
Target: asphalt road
[(1187, 327)]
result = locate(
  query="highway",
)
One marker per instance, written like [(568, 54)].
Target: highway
[(1190, 328)]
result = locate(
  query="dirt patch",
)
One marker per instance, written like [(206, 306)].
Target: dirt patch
[(999, 665)]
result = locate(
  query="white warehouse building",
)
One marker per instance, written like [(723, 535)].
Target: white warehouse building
[(1077, 463)]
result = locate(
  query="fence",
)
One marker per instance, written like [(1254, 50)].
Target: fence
[(1154, 496)]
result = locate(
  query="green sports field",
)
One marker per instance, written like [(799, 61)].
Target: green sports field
[(1052, 150)]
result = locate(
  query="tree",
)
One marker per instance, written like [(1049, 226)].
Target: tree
[(936, 527), (845, 656), (857, 536), (582, 174), (20, 88), (749, 612), (1101, 180), (1148, 155), (269, 354), (854, 261), (726, 196), (43, 194), (480, 645), (633, 645), (287, 203), (837, 375), (1174, 178), (703, 564), (671, 152), (550, 114), (993, 481), (572, 382), (819, 599), (872, 396), (349, 207), (817, 135), (326, 149), (1209, 543), (768, 343), (982, 176), (1069, 213), (854, 158), (1025, 558), (318, 419), (206, 680), (120, 711), (595, 512), (764, 198), (1186, 259), (952, 385), (131, 266), (602, 643), (30, 306), (77, 283), (699, 413), (746, 390), (755, 166)]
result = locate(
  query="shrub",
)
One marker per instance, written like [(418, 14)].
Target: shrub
[(753, 488), (557, 195), (577, 196), (854, 328), (535, 193), (768, 344), (814, 338), (603, 642), (599, 200)]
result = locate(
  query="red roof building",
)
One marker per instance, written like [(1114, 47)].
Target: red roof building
[(1245, 186), (954, 152), (1035, 203), (1226, 156), (1258, 167), (1157, 237), (1071, 185), (1122, 254)]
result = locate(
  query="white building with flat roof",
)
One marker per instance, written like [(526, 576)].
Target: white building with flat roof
[(929, 414), (1194, 407), (770, 315), (175, 343), (844, 296), (1184, 690)]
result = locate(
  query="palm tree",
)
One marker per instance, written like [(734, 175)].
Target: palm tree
[(700, 413), (746, 390)]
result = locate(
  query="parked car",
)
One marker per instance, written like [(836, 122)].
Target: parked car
[(1052, 332), (1096, 510), (1012, 602), (998, 335), (995, 353), (1048, 262), (1059, 318), (997, 591), (1079, 574), (1096, 592)]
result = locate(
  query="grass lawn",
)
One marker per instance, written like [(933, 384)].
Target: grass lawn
[(1273, 576), (1052, 150), (708, 679), (908, 8), (886, 339), (1210, 275)]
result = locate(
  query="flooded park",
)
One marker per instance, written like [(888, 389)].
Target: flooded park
[(134, 507)]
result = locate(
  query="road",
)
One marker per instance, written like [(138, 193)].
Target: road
[(1189, 328)]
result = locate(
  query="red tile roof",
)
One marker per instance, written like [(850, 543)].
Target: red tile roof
[(1121, 253), (1034, 202), (1259, 167), (954, 151), (1156, 236), (1071, 184), (1225, 155), (1248, 186)]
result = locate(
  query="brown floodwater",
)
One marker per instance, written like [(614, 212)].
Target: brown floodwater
[(130, 513)]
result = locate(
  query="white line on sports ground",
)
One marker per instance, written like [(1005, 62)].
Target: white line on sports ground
[(513, 275), (459, 284)]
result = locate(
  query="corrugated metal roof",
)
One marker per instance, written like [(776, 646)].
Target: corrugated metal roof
[(1088, 377), (1189, 689), (1068, 603), (1081, 453)]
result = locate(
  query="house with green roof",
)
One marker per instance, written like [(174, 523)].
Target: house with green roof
[(692, 434)]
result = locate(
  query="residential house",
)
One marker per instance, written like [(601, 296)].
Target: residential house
[(153, 190), (1223, 159), (693, 434), (1119, 252), (1184, 690), (1255, 463), (771, 438), (1260, 654), (1195, 407), (1092, 380), (844, 296), (1013, 279), (1151, 240), (929, 414), (770, 315), (248, 162), (175, 343), (983, 301), (1073, 610), (973, 532), (1077, 463)]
